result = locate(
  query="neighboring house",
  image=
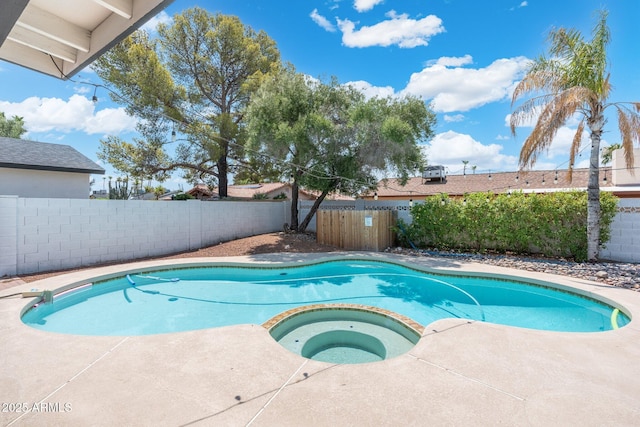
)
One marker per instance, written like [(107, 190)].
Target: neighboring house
[(202, 192), (38, 169), (268, 190), (616, 179)]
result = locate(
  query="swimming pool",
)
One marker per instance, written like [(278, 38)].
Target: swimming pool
[(162, 301)]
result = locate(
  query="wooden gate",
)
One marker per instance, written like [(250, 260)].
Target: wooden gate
[(366, 230)]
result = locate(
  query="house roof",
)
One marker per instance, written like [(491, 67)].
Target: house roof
[(498, 182), (240, 191), (247, 191), (24, 154), (62, 37)]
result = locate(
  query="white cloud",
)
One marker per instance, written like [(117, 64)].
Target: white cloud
[(521, 5), (322, 21), (371, 91), (76, 114), (451, 61), (151, 25), (110, 121), (365, 5), (81, 89), (453, 118), (451, 148), (398, 30), (453, 88)]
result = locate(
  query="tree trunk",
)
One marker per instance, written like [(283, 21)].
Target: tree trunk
[(223, 179), (312, 212), (593, 198), (294, 206)]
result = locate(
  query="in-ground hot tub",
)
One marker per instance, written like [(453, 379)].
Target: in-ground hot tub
[(344, 333)]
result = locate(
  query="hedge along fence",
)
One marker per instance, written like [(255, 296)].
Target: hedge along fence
[(552, 224)]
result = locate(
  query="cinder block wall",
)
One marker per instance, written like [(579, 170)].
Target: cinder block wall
[(39, 235), (625, 233), (8, 235)]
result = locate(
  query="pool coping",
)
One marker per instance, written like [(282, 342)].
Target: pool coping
[(399, 318), (460, 372)]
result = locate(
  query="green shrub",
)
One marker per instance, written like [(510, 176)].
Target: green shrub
[(552, 224), (182, 196)]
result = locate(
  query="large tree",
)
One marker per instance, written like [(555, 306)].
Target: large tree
[(573, 80), (13, 127), (329, 138), (194, 80)]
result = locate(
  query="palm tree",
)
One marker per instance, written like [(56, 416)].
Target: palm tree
[(464, 169), (574, 81)]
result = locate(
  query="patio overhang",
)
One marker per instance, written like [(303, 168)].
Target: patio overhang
[(63, 37)]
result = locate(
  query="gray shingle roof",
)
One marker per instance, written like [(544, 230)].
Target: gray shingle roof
[(24, 154)]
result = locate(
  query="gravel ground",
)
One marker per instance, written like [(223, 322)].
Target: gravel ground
[(625, 275), (615, 274)]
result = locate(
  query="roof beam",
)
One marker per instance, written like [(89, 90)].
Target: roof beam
[(123, 8), (54, 27), (43, 44), (22, 55)]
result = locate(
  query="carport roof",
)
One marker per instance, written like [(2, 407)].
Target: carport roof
[(61, 37)]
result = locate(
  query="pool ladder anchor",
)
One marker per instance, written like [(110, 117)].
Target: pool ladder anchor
[(47, 295)]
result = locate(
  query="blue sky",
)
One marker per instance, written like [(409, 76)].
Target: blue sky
[(462, 56)]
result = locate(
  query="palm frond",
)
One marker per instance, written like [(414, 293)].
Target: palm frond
[(575, 146), (552, 117), (629, 124), (601, 32), (542, 76), (529, 110), (564, 42)]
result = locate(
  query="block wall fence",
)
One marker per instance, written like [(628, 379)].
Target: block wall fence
[(624, 245), (38, 235)]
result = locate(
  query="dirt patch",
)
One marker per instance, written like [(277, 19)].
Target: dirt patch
[(261, 244)]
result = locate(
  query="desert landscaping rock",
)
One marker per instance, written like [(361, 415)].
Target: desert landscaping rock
[(626, 275)]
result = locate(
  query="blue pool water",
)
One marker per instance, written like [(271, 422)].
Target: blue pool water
[(197, 298)]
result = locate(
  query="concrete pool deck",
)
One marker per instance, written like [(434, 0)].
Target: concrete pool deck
[(459, 373)]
